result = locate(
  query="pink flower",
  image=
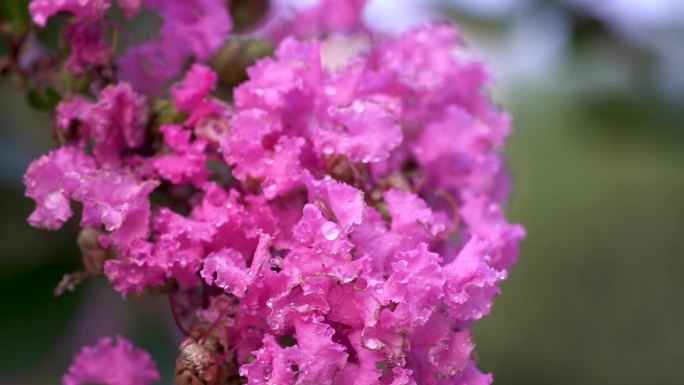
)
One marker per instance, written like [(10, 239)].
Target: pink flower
[(313, 19), (472, 283), (51, 180), (117, 201), (114, 123), (187, 164), (193, 93), (88, 46), (327, 224), (112, 363), (42, 10), (189, 28)]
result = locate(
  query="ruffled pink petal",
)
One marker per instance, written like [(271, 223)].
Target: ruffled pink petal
[(344, 201), (365, 131), (472, 283), (117, 201), (226, 269), (272, 364), (188, 163), (51, 180), (321, 357)]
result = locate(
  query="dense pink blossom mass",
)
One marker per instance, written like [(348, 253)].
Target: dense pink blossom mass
[(337, 220)]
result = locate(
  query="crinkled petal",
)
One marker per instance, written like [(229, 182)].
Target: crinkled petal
[(486, 220), (197, 84), (50, 182), (411, 216), (272, 364), (226, 269), (416, 283), (471, 283), (366, 131), (188, 163), (134, 269), (297, 68), (114, 123), (321, 357), (117, 201), (344, 201)]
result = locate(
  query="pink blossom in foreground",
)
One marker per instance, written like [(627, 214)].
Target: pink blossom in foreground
[(51, 180), (112, 362), (327, 224)]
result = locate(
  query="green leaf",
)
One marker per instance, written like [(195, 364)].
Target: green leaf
[(51, 36), (4, 46), (45, 100), (247, 13), (15, 11)]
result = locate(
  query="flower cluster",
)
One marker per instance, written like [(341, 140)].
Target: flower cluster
[(337, 220)]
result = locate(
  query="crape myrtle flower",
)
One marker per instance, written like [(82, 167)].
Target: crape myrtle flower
[(333, 220), (112, 362)]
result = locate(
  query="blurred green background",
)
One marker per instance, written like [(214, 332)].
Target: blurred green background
[(598, 162)]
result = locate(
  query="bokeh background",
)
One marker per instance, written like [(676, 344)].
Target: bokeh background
[(596, 89)]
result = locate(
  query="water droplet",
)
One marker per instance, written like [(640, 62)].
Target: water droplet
[(53, 200), (330, 230), (372, 343), (330, 91), (112, 219)]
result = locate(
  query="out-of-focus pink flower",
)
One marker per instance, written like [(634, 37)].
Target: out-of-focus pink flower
[(88, 46), (112, 362), (190, 28), (313, 18), (193, 93), (42, 10)]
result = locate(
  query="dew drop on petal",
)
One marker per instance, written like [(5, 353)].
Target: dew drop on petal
[(372, 343), (330, 230)]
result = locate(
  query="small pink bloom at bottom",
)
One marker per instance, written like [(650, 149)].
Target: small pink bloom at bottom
[(112, 363)]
